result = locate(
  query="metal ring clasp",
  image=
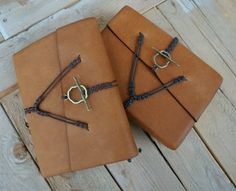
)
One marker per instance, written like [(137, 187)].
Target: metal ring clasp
[(164, 54), (85, 92)]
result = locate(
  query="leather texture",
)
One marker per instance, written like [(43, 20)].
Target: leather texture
[(61, 147), (169, 114)]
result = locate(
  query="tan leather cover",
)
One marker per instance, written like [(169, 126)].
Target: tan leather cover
[(170, 114), (61, 147)]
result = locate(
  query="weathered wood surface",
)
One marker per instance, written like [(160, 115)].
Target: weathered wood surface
[(207, 158), (1, 38), (22, 17), (96, 178), (141, 174), (203, 173), (17, 169), (8, 90), (221, 18), (130, 176), (223, 143), (103, 10)]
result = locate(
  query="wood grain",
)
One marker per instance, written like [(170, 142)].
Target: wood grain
[(103, 10), (220, 31), (22, 17), (17, 169), (97, 178), (8, 91), (124, 172), (221, 18), (199, 44), (225, 53), (222, 145), (208, 29), (192, 162), (147, 171), (1, 38)]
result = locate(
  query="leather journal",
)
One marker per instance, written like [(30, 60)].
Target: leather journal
[(72, 102), (164, 86)]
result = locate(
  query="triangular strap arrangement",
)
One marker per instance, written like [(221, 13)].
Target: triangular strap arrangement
[(137, 97), (36, 106)]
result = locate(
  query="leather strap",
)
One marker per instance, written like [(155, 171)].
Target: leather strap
[(134, 97), (36, 106)]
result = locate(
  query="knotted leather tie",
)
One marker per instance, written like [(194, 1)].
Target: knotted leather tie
[(36, 106), (137, 97)]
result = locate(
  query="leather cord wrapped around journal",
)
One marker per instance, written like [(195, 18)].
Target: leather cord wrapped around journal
[(72, 102), (164, 86)]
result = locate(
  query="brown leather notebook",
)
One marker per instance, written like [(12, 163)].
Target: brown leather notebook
[(164, 86), (72, 102)]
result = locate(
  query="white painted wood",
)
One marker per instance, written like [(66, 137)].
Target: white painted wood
[(146, 174), (195, 166), (192, 162), (92, 179), (1, 38), (17, 170), (148, 171), (194, 38), (22, 17), (217, 128), (222, 144), (221, 17), (212, 35), (10, 5), (103, 10)]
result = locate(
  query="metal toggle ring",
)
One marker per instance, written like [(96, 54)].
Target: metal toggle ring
[(164, 54), (85, 92)]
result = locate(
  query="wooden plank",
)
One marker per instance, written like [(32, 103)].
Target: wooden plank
[(10, 5), (13, 22), (217, 128), (211, 34), (147, 171), (8, 91), (203, 173), (200, 45), (97, 178), (146, 174), (221, 17), (17, 170), (103, 10), (222, 145), (1, 38), (195, 166)]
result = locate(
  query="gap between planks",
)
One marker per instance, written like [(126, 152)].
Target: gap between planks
[(50, 24), (146, 175), (15, 158), (11, 21), (159, 19), (172, 16), (214, 156)]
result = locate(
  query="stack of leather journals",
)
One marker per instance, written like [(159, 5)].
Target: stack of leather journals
[(76, 107)]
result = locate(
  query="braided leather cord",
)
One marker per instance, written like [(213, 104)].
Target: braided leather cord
[(36, 106), (172, 45), (132, 96), (101, 86)]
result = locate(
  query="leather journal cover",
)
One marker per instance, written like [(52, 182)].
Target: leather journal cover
[(164, 86), (72, 102)]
